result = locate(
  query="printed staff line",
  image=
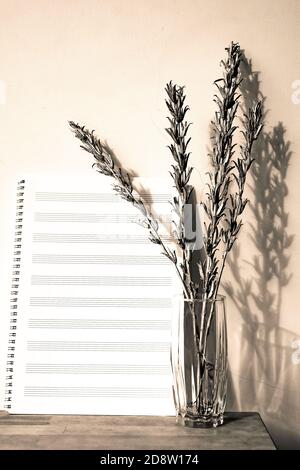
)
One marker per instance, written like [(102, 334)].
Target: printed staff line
[(84, 217), (97, 197), (98, 346), (93, 238), (100, 302), (104, 369), (41, 258), (90, 217), (99, 324), (122, 392), (101, 280)]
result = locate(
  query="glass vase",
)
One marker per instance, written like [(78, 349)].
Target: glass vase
[(199, 361)]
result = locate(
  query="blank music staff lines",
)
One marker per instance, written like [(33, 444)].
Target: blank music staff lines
[(50, 258), (94, 218), (105, 392), (110, 238), (92, 298), (46, 280), (46, 196), (114, 346), (107, 302), (105, 369), (95, 323)]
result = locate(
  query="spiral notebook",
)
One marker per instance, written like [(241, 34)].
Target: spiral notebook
[(91, 302)]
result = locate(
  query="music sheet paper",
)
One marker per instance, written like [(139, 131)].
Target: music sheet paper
[(94, 302)]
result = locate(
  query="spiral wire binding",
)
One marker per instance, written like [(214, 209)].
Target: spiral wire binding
[(14, 295)]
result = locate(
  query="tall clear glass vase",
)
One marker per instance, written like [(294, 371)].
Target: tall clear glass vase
[(199, 361)]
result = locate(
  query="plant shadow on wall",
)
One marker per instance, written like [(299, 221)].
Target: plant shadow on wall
[(266, 377)]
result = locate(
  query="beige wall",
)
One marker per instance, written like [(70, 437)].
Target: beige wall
[(104, 63)]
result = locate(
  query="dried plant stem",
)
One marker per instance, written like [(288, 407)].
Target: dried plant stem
[(253, 125), (219, 177), (223, 210), (222, 153), (180, 174), (106, 165)]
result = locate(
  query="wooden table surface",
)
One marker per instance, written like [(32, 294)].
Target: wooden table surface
[(43, 432)]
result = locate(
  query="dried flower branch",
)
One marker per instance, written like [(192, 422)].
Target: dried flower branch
[(222, 154), (180, 173), (224, 210), (253, 124), (106, 165), (221, 207)]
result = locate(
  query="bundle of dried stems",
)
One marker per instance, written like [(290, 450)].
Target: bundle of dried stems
[(225, 201)]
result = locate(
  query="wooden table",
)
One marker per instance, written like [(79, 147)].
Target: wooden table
[(43, 432)]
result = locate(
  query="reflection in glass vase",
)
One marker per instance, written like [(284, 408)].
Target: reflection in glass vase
[(199, 361)]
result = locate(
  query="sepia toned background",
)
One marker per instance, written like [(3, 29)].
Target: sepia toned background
[(104, 63)]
